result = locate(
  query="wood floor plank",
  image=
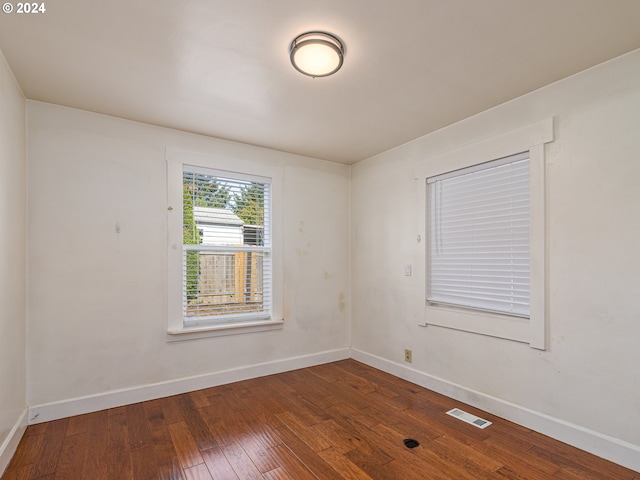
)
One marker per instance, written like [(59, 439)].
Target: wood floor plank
[(185, 445), (346, 394), (143, 463), (321, 397), (28, 450), (368, 460), (399, 470), (516, 458), (309, 457), (72, 457), (420, 430), (367, 416), (277, 474), (399, 402), (572, 458), (268, 403), (352, 379), (458, 460), (504, 435), (36, 429), (79, 424), (95, 466), (306, 433), (264, 411), (138, 427), (342, 420), (198, 472), (367, 449), (342, 464), (306, 409), (341, 439), (263, 433), (197, 426), (218, 465), (52, 443), (118, 448), (291, 463), (257, 451), (508, 473), (167, 461), (466, 452), (568, 464), (566, 474), (170, 410), (327, 372), (221, 423), (240, 397), (23, 472), (200, 400), (241, 462)]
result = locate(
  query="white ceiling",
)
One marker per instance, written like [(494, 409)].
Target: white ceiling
[(221, 67)]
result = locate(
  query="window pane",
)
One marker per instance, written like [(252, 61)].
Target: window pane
[(478, 253), (226, 237), (227, 283), (223, 211)]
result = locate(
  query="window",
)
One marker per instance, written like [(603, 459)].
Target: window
[(226, 247), (478, 237), (224, 225), (484, 222)]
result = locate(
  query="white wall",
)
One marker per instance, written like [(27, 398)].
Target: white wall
[(97, 308), (589, 375), (97, 299), (13, 316)]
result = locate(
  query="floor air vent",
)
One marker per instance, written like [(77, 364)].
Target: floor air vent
[(411, 443), (469, 418)]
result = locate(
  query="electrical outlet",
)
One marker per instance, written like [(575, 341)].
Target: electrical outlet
[(407, 355)]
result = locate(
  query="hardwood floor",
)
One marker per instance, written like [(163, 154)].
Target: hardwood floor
[(342, 420)]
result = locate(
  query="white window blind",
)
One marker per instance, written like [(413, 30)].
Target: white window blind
[(478, 251), (226, 247)]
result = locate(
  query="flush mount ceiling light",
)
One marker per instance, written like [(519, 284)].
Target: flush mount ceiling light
[(317, 54)]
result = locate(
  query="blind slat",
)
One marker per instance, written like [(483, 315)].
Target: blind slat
[(478, 225), (226, 247)]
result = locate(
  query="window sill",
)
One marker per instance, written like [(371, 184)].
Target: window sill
[(192, 333), (476, 321)]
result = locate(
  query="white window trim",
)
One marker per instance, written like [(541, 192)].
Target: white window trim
[(176, 330), (531, 138)]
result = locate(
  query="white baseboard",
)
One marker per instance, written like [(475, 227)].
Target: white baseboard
[(618, 451), (10, 444), (117, 398)]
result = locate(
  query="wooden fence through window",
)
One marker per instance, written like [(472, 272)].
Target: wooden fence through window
[(228, 283)]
